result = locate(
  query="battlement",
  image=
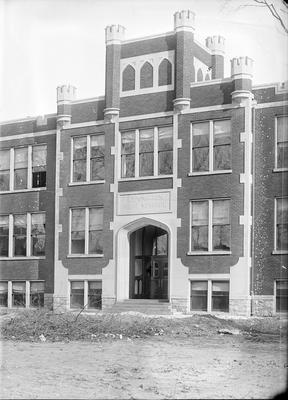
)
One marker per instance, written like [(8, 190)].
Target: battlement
[(184, 19), (216, 44), (66, 93), (114, 33), (242, 66)]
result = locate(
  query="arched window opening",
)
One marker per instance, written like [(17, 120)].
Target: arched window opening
[(165, 73), (146, 75), (207, 77), (199, 75), (128, 78)]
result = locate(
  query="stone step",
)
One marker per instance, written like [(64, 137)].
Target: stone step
[(145, 306)]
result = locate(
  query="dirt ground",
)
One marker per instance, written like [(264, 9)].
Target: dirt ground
[(159, 367)]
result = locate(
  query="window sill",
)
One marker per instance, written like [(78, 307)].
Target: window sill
[(23, 190), (280, 170), (228, 171), (85, 256), (280, 252), (144, 178), (86, 183), (22, 258), (208, 253)]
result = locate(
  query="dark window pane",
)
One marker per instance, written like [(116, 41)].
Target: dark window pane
[(146, 75), (97, 170), (20, 232), (199, 292), (19, 294), (282, 237), (37, 294), (128, 143), (200, 159), (39, 179), (200, 134), (128, 166), (281, 224), (281, 296), (95, 294), (4, 235), (222, 157), (20, 168), (146, 140), (38, 234), (4, 180), (282, 155), (95, 242), (80, 148), (3, 294), (146, 164), (220, 296), (20, 179), (222, 132), (128, 78), (199, 238), (39, 156), (165, 162), (4, 170), (79, 171), (165, 138), (78, 231), (165, 73), (221, 237), (77, 294), (97, 143)]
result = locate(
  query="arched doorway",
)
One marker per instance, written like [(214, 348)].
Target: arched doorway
[(148, 271)]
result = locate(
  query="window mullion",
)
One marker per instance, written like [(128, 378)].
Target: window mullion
[(28, 237), (10, 242), (210, 226), (137, 153), (86, 230), (155, 158), (88, 155), (29, 178), (211, 146)]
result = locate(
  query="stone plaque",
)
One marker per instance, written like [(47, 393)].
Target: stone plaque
[(144, 203)]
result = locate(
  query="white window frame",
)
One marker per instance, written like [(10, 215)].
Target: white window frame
[(275, 296), (209, 293), (276, 168), (29, 169), (155, 175), (88, 144), (86, 227), (210, 250), (211, 170), (86, 289), (276, 251), (27, 292), (28, 238)]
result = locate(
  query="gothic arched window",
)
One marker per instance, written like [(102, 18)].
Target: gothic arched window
[(165, 73), (146, 75), (199, 75), (128, 78)]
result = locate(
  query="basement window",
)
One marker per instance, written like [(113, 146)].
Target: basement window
[(199, 292), (281, 296), (86, 294), (220, 296), (77, 294), (3, 294), (94, 294), (19, 294), (209, 295), (36, 294)]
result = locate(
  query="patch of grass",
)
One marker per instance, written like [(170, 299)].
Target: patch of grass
[(29, 325)]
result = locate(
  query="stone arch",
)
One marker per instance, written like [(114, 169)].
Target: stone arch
[(199, 75), (128, 78), (165, 73), (123, 252), (146, 75)]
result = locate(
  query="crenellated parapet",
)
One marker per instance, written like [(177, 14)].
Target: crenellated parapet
[(216, 44), (66, 93), (242, 67), (114, 34), (184, 20)]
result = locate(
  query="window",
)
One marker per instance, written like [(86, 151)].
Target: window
[(3, 294), (36, 294), (128, 78), (199, 292), (210, 225), (281, 224), (4, 235), (28, 168), (220, 296), (19, 294), (282, 142), (20, 168), (39, 156), (209, 295), (26, 232), (211, 146), (86, 294), (165, 73), (281, 296), (146, 75), (160, 245), (87, 231), (147, 152), (38, 234), (20, 235), (77, 294), (88, 158), (4, 170)]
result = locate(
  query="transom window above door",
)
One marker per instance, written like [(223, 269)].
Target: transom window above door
[(147, 152)]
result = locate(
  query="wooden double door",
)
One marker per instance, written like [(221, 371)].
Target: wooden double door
[(150, 277)]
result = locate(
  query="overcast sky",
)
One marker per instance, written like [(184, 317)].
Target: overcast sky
[(45, 43)]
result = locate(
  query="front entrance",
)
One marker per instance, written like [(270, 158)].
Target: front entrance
[(149, 263)]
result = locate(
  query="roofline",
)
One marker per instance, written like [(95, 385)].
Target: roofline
[(89, 100), (25, 119), (139, 39)]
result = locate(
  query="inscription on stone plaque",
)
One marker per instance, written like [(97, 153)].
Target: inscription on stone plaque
[(144, 203)]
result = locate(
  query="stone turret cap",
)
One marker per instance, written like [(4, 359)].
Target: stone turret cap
[(242, 67), (114, 34), (66, 93), (184, 20), (216, 44)]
